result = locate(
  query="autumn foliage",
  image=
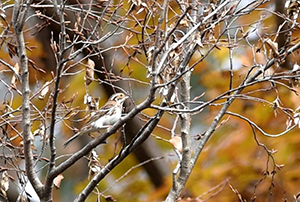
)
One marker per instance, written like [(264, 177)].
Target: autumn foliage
[(212, 112)]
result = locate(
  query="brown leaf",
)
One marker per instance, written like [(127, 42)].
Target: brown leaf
[(176, 142), (44, 91), (94, 164), (89, 76), (14, 77), (4, 183), (58, 180), (110, 198), (91, 102)]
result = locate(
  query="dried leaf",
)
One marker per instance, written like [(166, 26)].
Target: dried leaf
[(177, 143), (57, 180), (87, 99), (14, 78), (94, 164), (92, 103), (4, 183), (89, 76), (45, 90), (110, 198)]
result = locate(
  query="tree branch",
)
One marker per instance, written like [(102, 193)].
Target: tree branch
[(19, 14), (223, 111)]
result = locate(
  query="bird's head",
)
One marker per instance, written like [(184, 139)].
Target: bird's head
[(118, 97)]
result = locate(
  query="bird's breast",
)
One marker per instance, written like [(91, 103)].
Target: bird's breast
[(109, 118)]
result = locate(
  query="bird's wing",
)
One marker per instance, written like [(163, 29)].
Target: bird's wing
[(108, 106)]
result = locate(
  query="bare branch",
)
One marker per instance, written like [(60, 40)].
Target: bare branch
[(19, 14), (261, 130)]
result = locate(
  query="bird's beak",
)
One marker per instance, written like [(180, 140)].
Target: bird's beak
[(125, 98)]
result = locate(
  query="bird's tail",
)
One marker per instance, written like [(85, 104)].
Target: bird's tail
[(71, 139)]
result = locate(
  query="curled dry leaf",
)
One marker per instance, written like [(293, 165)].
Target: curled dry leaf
[(87, 99), (89, 75), (176, 142), (45, 90), (94, 164), (92, 103), (4, 183), (14, 78), (109, 198), (57, 180)]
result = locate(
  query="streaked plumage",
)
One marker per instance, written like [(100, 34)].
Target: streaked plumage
[(109, 114)]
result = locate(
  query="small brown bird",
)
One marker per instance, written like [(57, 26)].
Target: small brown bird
[(109, 114)]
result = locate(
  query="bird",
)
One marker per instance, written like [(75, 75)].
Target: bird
[(104, 118)]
